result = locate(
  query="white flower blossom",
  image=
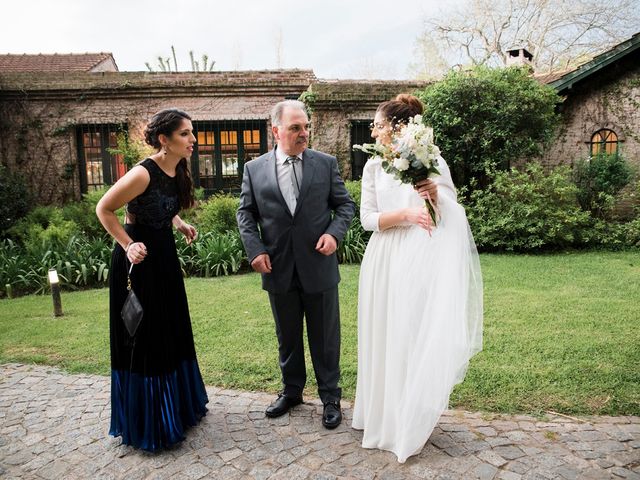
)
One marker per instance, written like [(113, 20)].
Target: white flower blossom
[(401, 163)]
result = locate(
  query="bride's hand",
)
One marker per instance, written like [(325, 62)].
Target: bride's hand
[(428, 189), (418, 216)]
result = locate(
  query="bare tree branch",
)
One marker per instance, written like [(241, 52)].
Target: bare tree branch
[(558, 33)]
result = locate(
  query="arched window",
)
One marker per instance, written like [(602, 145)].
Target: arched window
[(604, 141)]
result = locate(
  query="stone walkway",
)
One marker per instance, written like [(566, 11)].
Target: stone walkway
[(54, 425)]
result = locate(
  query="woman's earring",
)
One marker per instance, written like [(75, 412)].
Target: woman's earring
[(164, 150)]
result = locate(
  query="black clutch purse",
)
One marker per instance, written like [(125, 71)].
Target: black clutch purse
[(131, 311)]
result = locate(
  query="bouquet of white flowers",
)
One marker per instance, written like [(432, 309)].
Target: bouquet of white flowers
[(410, 157)]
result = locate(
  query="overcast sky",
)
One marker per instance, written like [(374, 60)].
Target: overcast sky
[(335, 38)]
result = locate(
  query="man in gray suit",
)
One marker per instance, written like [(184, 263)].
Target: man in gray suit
[(294, 209)]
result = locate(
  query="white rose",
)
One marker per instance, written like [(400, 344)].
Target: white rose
[(425, 160), (401, 163)]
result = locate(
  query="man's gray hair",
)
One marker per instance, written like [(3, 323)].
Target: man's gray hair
[(276, 111)]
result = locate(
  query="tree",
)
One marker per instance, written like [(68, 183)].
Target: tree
[(201, 67), (558, 33), (483, 119), (429, 63), (164, 64)]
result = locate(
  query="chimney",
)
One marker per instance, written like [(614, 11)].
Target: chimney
[(520, 56)]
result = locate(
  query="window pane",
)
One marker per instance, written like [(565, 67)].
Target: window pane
[(94, 173), (604, 141), (229, 150), (206, 167), (100, 167), (91, 139)]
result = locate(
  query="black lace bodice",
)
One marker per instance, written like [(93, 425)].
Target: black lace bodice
[(158, 204)]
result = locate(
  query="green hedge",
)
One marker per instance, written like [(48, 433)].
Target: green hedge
[(529, 210)]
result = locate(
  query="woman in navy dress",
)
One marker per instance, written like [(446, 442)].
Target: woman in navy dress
[(157, 391)]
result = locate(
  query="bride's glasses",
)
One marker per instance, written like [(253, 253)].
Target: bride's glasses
[(376, 126)]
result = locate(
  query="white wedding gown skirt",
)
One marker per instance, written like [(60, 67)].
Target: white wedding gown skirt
[(419, 321)]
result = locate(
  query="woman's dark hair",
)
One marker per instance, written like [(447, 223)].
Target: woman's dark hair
[(165, 122), (401, 108)]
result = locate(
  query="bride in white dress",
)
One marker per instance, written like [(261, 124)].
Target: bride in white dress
[(419, 302)]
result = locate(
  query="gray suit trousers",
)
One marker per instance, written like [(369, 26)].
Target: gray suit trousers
[(321, 311)]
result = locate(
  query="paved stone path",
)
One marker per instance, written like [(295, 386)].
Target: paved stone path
[(54, 425)]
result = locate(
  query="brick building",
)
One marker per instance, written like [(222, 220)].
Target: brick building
[(57, 126), (601, 106)]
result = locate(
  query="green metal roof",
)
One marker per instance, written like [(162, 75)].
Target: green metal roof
[(598, 63)]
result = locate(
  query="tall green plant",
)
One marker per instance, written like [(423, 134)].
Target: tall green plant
[(216, 255), (599, 179), (351, 248), (485, 118)]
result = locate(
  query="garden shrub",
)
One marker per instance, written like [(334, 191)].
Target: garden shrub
[(83, 213), (81, 262), (214, 254), (218, 214), (599, 179), (14, 199), (527, 210), (55, 235), (612, 235)]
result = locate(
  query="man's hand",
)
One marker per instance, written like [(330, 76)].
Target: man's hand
[(327, 244), (428, 189), (262, 263)]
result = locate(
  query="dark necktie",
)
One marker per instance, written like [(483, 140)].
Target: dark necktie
[(294, 175)]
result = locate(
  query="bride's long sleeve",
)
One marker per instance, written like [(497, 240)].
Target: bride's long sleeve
[(369, 213)]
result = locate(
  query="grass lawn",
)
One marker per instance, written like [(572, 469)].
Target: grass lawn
[(561, 333)]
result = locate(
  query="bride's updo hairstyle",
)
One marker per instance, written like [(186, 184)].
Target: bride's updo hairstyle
[(401, 109), (165, 122)]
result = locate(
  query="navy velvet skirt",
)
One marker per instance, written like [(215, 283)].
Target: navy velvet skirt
[(157, 391)]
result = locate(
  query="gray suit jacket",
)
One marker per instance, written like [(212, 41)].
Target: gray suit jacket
[(323, 206)]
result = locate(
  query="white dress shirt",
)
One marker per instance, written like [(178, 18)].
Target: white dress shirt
[(285, 178)]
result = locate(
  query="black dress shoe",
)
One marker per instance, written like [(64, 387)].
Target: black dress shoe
[(281, 405), (331, 415)]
